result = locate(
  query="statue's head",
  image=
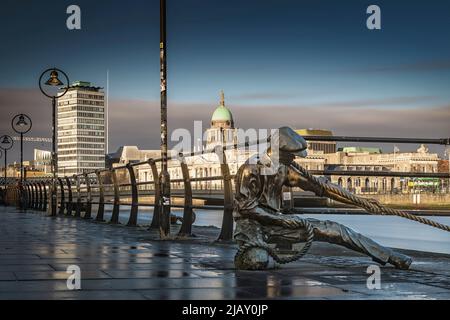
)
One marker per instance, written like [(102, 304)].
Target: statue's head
[(290, 145)]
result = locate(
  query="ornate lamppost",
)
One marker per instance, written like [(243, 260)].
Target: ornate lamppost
[(21, 124), (54, 82), (6, 143)]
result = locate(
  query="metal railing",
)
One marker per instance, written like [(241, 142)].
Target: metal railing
[(78, 193)]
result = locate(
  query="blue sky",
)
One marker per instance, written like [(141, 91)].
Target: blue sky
[(268, 54)]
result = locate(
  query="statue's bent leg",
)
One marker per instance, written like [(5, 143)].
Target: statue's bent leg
[(333, 232), (250, 232)]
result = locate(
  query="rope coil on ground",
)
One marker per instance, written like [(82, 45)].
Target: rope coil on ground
[(296, 223), (370, 205)]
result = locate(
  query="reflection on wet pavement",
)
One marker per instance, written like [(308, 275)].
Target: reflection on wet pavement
[(118, 262)]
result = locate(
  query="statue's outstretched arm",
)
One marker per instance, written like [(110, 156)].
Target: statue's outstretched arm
[(295, 179)]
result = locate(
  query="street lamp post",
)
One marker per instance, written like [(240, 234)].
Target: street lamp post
[(54, 82), (164, 177), (21, 124), (1, 190), (6, 143)]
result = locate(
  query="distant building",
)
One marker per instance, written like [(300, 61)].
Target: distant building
[(318, 146), (81, 129), (39, 167), (222, 130), (372, 159), (43, 161), (443, 166), (360, 150), (322, 156), (130, 154)]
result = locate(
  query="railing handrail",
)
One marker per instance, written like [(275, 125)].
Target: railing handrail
[(437, 141), (89, 185)]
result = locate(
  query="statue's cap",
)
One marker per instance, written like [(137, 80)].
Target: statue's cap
[(290, 141)]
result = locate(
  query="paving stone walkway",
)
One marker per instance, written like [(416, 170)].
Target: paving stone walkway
[(119, 262)]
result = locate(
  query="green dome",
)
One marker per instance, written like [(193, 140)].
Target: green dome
[(222, 114)]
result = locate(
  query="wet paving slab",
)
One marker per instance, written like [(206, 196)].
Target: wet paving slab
[(119, 262)]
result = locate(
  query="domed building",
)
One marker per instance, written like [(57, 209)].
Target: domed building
[(222, 130), (222, 116)]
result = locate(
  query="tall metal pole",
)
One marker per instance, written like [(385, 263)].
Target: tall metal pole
[(21, 158), (21, 189), (107, 111), (164, 178), (6, 163), (54, 159)]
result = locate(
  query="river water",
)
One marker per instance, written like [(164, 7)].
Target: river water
[(390, 231)]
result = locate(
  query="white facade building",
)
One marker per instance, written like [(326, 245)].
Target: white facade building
[(43, 161), (81, 129), (322, 155)]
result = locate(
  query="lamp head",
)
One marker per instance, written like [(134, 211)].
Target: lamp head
[(21, 122), (54, 80), (5, 140)]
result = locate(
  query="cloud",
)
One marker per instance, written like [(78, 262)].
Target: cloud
[(382, 102), (136, 122), (433, 65), (264, 96)]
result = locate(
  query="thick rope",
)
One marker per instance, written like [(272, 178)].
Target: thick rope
[(296, 223), (370, 205)]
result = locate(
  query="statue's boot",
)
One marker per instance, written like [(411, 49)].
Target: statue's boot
[(400, 261)]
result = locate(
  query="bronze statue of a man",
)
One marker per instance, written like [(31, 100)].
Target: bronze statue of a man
[(258, 216)]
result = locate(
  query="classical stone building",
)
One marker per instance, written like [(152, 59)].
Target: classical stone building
[(372, 159), (317, 146), (222, 130), (322, 156)]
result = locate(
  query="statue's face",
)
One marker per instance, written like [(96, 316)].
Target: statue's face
[(286, 158)]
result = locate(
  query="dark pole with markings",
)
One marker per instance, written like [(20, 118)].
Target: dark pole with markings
[(164, 178)]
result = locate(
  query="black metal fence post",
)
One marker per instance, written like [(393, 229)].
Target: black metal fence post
[(226, 232), (186, 226), (35, 203), (45, 200), (88, 212), (61, 197), (25, 203), (40, 204), (132, 221), (101, 197), (69, 203), (78, 204), (116, 205), (156, 202)]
